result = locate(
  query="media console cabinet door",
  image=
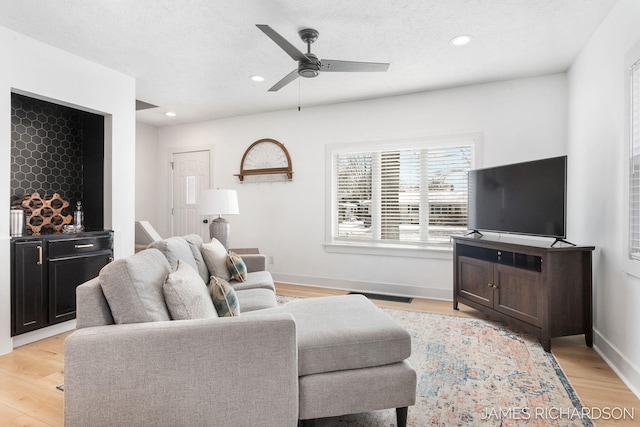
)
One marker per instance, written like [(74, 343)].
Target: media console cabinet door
[(65, 275), (475, 280), (519, 293), (28, 287)]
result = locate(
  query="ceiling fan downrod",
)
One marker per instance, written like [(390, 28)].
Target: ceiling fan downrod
[(308, 35)]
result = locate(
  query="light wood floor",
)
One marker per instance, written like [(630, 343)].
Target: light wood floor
[(29, 375)]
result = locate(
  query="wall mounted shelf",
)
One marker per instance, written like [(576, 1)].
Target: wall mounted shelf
[(266, 157)]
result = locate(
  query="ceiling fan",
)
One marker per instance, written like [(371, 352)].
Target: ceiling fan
[(308, 64)]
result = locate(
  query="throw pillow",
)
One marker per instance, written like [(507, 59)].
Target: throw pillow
[(237, 267), (175, 248), (215, 256), (185, 294), (133, 287), (224, 297), (195, 242)]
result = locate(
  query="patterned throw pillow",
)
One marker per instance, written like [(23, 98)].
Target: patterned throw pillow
[(223, 297), (237, 267)]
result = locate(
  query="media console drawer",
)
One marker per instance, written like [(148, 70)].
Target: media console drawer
[(542, 290), (79, 245)]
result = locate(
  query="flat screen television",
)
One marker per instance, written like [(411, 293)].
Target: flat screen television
[(522, 198)]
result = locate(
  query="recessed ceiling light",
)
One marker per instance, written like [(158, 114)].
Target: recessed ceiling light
[(257, 78), (170, 114), (460, 40)]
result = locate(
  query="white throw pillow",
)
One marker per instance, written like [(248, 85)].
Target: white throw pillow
[(215, 256), (187, 297)]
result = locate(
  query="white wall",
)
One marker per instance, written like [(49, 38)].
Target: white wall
[(147, 173), (40, 70), (520, 120), (598, 159)]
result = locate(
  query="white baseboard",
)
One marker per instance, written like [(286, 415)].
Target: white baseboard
[(372, 287), (628, 373), (43, 333)]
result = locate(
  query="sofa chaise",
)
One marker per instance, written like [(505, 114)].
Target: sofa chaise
[(128, 363)]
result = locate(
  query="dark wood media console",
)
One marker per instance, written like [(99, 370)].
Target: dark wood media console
[(46, 271), (542, 290)]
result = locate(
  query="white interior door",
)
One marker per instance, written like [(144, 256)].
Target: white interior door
[(190, 176)]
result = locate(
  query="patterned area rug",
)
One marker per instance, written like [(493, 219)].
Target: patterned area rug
[(477, 373)]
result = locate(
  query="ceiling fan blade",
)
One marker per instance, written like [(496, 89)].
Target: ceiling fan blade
[(293, 51), (332, 65), (285, 81)]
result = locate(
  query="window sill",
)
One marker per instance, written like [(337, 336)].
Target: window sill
[(632, 267), (385, 249)]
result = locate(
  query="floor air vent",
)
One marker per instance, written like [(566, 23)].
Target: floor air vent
[(392, 298)]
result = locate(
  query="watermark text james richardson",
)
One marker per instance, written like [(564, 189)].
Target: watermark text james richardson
[(554, 413)]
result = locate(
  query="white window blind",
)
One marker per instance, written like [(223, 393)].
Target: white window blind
[(634, 164), (354, 181), (416, 195)]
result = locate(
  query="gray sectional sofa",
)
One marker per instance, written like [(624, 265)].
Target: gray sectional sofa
[(128, 363)]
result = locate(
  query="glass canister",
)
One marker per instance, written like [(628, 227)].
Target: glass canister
[(17, 222)]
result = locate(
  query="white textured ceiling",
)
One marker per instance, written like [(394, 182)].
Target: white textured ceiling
[(194, 57)]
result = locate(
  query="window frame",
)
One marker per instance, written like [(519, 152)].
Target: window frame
[(632, 58), (391, 248), (633, 159)]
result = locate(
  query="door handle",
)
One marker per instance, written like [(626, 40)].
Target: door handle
[(39, 255), (205, 221)]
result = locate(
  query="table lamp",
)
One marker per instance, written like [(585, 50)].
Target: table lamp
[(219, 202)]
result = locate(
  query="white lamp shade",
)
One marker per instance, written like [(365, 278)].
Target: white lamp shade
[(218, 202)]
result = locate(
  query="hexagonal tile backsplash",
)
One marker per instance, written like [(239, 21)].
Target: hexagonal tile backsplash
[(46, 149)]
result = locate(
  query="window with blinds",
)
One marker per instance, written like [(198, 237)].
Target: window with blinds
[(416, 195), (634, 164)]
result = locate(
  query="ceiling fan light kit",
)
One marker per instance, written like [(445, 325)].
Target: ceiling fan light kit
[(311, 68), (309, 65)]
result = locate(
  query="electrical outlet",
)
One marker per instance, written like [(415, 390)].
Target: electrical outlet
[(271, 260)]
